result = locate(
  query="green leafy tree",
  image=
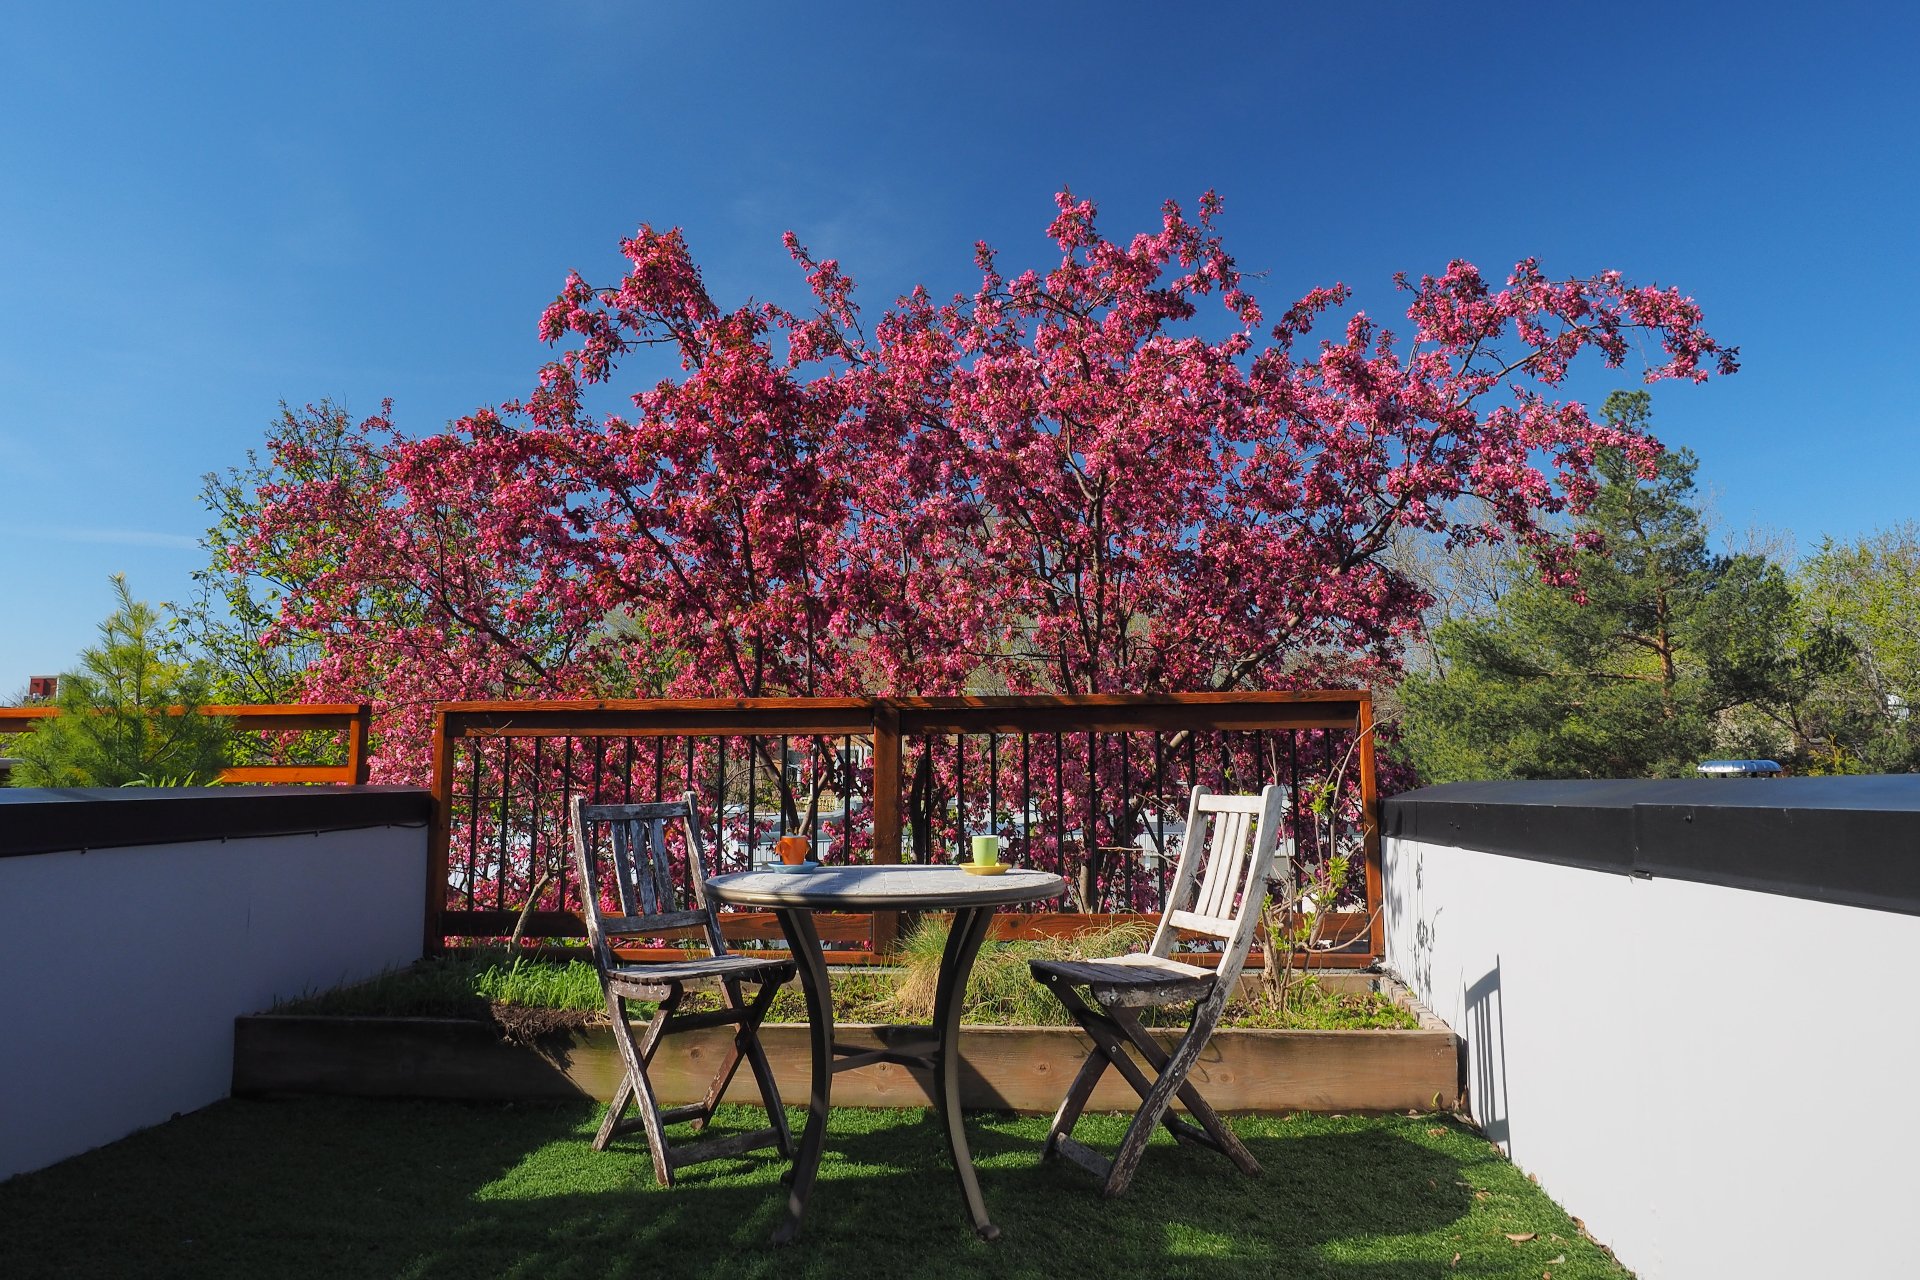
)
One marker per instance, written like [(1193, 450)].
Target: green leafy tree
[(116, 727), (1868, 591), (234, 618), (1635, 672)]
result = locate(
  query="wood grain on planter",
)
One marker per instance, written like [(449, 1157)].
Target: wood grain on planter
[(1011, 1068)]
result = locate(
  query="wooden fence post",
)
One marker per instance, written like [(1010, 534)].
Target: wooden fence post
[(432, 940), (357, 733), (1370, 825)]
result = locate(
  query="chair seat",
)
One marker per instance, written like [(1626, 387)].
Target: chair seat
[(1133, 981), (669, 973)]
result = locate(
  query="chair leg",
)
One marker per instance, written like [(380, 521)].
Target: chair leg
[(1153, 1109), (636, 1086), (610, 1123), (1109, 1050), (1083, 1081), (1198, 1107), (746, 1045), (717, 1087), (763, 1070)]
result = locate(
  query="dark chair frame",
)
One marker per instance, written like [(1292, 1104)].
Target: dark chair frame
[(651, 906)]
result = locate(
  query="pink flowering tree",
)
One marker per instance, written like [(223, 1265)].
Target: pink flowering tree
[(1120, 474)]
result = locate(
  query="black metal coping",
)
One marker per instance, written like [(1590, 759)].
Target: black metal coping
[(34, 820), (1854, 841)]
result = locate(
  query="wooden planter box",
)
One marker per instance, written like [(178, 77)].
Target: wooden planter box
[(1023, 1069)]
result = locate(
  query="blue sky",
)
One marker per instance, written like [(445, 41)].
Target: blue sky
[(211, 209)]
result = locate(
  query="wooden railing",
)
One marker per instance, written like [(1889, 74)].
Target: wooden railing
[(1051, 771), (350, 720)]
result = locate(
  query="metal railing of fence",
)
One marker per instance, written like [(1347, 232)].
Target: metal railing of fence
[(1090, 786)]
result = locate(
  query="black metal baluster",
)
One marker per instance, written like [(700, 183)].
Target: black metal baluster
[(1123, 827), (924, 849), (960, 797), (720, 804), (473, 825), (659, 770), (1090, 830), (533, 819), (1026, 798), (813, 756), (500, 865), (845, 786), (1299, 801), (1060, 810), (566, 808), (993, 783), (1160, 815), (1333, 793)]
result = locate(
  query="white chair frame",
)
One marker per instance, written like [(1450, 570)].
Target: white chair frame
[(1221, 901)]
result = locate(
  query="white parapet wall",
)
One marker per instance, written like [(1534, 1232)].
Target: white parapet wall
[(125, 966), (1718, 1080)]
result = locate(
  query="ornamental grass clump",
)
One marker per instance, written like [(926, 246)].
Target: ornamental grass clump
[(1001, 989)]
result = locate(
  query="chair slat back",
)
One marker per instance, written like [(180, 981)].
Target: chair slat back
[(650, 895), (1221, 878)]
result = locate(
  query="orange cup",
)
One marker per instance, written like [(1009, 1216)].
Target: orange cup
[(793, 850)]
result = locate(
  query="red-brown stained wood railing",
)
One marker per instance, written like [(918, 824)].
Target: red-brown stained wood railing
[(353, 720), (886, 722)]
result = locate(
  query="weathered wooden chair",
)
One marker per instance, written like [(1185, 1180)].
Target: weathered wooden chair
[(634, 835), (1221, 900)]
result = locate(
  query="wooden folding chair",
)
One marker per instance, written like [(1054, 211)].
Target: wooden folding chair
[(1222, 901), (634, 836)]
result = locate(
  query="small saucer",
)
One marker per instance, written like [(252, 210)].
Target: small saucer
[(790, 868), (988, 869)]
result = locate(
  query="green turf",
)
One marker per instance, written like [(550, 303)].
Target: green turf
[(341, 1188)]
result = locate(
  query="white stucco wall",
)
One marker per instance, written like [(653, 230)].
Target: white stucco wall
[(1719, 1082), (122, 970)]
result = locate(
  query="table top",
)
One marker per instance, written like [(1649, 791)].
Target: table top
[(869, 888)]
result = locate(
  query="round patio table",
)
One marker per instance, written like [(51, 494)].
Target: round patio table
[(794, 897)]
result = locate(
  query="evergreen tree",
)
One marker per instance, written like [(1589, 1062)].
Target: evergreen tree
[(115, 727), (1632, 674)]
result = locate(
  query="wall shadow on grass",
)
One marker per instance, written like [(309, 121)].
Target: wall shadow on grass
[(436, 1191)]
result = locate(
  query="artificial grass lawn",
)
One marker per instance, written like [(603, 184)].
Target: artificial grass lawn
[(357, 1187)]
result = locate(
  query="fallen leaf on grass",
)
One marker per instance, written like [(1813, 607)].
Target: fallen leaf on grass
[(1554, 1262), (1521, 1237), (1436, 1133), (1455, 1262)]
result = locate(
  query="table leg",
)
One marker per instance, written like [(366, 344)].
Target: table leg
[(804, 941), (969, 929)]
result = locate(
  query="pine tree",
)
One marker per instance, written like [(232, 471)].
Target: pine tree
[(115, 727), (1634, 676)]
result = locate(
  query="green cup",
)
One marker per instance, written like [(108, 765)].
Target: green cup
[(986, 850)]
